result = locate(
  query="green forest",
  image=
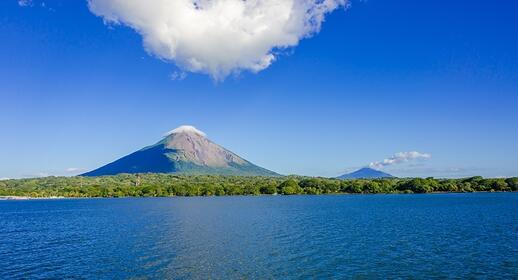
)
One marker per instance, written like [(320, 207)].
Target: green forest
[(156, 185)]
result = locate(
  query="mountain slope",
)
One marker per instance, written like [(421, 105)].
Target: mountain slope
[(366, 173), (184, 150)]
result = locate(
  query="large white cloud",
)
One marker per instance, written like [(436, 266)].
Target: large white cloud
[(218, 37)]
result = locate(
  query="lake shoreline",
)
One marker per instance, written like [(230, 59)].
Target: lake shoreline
[(164, 185), (25, 198), (14, 197)]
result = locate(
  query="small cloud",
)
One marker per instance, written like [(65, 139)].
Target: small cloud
[(178, 76), (4, 179), (399, 158), (186, 129), (74, 169), (32, 3), (25, 3)]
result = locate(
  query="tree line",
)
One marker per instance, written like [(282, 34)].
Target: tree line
[(156, 185)]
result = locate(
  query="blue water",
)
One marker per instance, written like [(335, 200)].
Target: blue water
[(363, 237)]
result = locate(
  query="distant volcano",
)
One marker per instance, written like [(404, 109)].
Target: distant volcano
[(366, 173), (184, 150)]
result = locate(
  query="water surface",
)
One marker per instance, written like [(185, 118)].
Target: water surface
[(282, 237)]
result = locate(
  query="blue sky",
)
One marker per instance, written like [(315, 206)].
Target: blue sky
[(381, 77)]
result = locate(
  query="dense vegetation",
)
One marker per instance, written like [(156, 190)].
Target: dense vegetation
[(183, 185)]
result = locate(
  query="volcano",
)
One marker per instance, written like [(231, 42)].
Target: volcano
[(366, 173), (184, 150)]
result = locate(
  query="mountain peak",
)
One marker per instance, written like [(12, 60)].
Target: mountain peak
[(187, 129), (186, 150), (366, 173)]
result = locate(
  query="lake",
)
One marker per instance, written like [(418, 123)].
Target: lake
[(266, 237)]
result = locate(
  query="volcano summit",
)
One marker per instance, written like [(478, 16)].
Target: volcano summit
[(184, 150)]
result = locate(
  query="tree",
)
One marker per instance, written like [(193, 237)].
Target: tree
[(513, 183), (268, 189), (290, 187), (499, 185), (417, 185), (372, 187)]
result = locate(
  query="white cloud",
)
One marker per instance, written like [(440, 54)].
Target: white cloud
[(218, 37), (399, 158), (186, 129), (25, 3), (32, 3), (74, 169), (178, 76)]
